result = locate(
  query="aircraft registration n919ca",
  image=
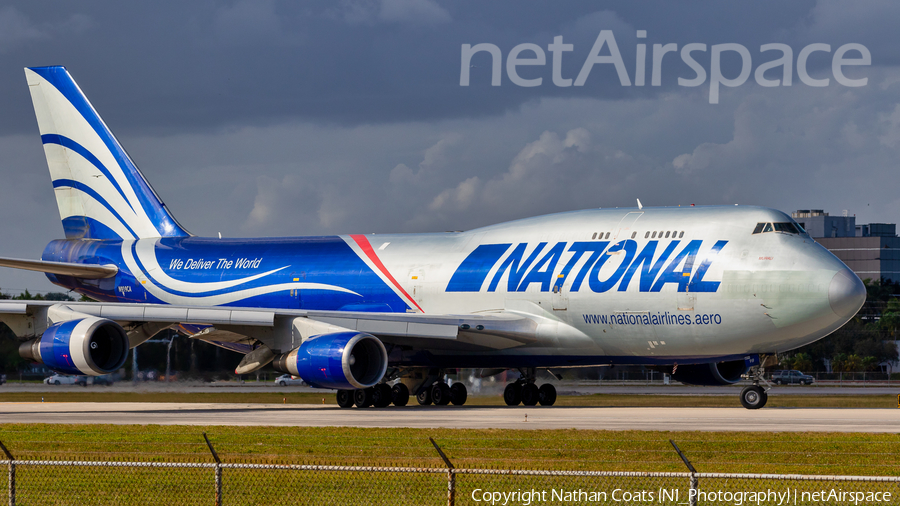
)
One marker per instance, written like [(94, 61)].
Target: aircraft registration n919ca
[(708, 294)]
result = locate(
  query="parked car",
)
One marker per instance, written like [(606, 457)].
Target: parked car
[(65, 379), (791, 377), (101, 380), (286, 379)]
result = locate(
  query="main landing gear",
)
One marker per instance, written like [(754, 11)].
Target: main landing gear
[(383, 395), (379, 396), (524, 391), (441, 394)]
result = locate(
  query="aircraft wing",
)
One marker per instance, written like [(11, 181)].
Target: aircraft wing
[(490, 330)]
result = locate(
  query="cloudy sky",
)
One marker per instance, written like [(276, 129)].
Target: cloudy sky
[(262, 118)]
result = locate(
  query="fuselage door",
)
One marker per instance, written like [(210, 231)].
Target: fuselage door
[(560, 296), (626, 226), (294, 298)]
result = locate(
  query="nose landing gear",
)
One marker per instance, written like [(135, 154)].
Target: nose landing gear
[(756, 396)]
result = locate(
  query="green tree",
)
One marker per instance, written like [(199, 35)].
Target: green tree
[(853, 363), (838, 362), (803, 362), (870, 363)]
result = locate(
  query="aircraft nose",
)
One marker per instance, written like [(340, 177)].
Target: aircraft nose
[(846, 293)]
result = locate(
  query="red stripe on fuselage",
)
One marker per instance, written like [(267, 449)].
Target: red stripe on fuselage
[(367, 249)]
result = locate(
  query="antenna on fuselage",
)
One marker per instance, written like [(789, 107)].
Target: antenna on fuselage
[(639, 204)]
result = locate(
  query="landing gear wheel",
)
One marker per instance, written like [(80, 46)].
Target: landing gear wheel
[(362, 397), (458, 394), (440, 394), (512, 395), (547, 394), (400, 394), (424, 397), (381, 395), (345, 398), (530, 394), (753, 397)]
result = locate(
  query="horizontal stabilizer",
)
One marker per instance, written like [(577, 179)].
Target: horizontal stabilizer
[(62, 268)]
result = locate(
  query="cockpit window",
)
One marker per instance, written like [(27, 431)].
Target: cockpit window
[(786, 227)]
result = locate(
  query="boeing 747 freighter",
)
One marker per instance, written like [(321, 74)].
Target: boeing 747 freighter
[(707, 294)]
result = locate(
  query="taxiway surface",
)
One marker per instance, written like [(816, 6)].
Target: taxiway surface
[(461, 417)]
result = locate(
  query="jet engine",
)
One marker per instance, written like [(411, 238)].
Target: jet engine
[(341, 360), (91, 346), (715, 373)]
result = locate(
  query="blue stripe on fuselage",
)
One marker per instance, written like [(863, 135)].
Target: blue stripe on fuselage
[(321, 260)]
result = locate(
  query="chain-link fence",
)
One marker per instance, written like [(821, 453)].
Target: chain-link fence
[(36, 482)]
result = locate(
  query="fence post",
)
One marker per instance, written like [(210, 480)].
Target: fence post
[(218, 471), (694, 482), (451, 474), (12, 475)]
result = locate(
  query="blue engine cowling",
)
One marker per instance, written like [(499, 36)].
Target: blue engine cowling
[(342, 360), (91, 346), (715, 373)]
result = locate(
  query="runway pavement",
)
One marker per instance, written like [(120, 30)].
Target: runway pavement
[(674, 419)]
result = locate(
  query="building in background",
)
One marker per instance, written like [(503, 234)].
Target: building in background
[(872, 251)]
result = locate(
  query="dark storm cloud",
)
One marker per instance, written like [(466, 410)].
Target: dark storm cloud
[(169, 65), (264, 118)]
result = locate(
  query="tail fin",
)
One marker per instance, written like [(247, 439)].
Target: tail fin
[(101, 194)]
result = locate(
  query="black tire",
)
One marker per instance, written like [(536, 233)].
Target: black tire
[(458, 394), (56, 382), (362, 397), (282, 384), (381, 395), (440, 394), (512, 395), (778, 382), (400, 395), (753, 397), (530, 394), (424, 397), (547, 394), (345, 398)]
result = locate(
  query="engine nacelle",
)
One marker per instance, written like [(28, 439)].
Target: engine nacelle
[(715, 373), (342, 360), (91, 346)]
